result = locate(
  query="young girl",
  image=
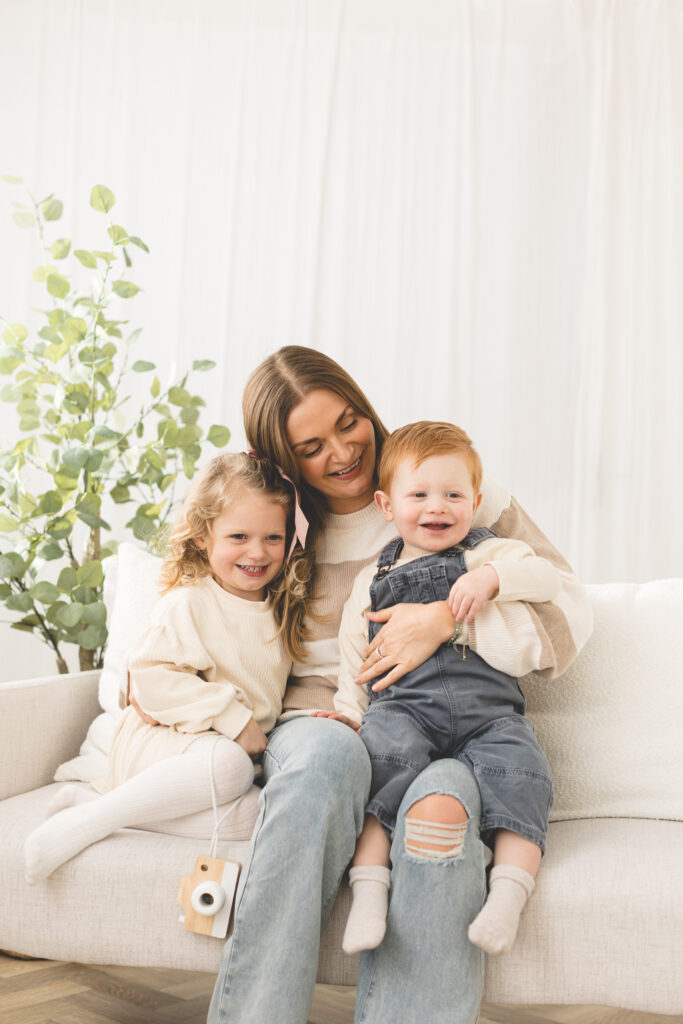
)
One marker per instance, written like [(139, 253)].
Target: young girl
[(211, 668)]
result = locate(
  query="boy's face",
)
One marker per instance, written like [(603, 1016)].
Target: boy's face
[(432, 504)]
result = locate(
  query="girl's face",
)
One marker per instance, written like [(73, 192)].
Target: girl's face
[(245, 545), (335, 450)]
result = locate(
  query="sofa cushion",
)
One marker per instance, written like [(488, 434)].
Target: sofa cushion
[(131, 591), (611, 726)]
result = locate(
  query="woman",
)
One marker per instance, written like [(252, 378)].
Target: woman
[(305, 413)]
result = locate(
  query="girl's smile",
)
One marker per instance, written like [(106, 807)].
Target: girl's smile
[(246, 545)]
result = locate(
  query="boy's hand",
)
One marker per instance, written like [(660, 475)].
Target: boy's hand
[(471, 591), (337, 717), (252, 739)]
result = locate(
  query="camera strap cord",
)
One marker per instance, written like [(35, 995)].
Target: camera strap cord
[(214, 803)]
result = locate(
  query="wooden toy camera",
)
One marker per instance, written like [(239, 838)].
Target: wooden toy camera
[(207, 895)]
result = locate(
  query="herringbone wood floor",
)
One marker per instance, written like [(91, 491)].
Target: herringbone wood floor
[(48, 992)]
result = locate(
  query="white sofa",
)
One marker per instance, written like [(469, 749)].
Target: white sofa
[(605, 924)]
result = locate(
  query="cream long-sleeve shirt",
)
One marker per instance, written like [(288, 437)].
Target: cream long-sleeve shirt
[(210, 660), (522, 576)]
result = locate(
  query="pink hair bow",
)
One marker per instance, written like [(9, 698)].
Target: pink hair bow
[(300, 520)]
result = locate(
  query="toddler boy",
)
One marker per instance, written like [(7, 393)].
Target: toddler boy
[(456, 704)]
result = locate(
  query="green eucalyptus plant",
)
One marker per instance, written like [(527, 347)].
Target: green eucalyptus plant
[(85, 444)]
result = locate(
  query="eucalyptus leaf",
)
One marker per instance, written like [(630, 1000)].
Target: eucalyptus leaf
[(117, 233), (8, 524), (142, 527), (120, 494), (50, 550), (70, 615), (43, 272), (90, 574), (179, 396), (60, 248), (203, 364), (58, 286), (95, 614), (125, 289), (19, 602), (102, 199), (52, 209), (44, 592), (50, 503), (92, 637), (189, 415), (27, 625), (74, 460), (10, 363), (138, 241), (12, 566), (86, 258), (218, 436), (24, 219), (14, 334), (68, 579), (60, 528), (95, 522)]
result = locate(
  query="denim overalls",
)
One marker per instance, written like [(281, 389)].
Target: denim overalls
[(450, 707)]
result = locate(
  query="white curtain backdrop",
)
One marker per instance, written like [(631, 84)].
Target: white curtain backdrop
[(475, 206)]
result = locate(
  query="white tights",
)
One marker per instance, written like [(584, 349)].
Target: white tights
[(171, 789)]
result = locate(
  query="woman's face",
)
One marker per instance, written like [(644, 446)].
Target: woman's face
[(335, 450)]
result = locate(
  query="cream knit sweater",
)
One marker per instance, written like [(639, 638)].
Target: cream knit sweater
[(552, 633), (210, 660)]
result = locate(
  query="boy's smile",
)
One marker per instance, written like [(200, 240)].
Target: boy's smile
[(433, 504)]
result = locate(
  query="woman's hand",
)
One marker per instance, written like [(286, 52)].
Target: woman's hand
[(143, 714), (411, 633), (471, 590), (252, 739), (337, 717)]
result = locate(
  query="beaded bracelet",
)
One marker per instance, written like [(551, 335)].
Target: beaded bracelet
[(454, 637)]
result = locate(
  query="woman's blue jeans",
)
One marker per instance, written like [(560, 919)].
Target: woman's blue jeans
[(317, 775)]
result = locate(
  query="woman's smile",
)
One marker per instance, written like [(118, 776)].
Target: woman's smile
[(349, 471), (335, 449)]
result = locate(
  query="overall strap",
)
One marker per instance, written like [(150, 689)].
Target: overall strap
[(476, 536), (388, 555)]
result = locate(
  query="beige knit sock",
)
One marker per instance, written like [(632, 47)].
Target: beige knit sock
[(367, 920), (495, 926)]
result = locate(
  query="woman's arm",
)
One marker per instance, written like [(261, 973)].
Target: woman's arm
[(560, 627)]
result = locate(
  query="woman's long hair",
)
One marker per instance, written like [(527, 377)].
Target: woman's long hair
[(273, 390), (217, 486)]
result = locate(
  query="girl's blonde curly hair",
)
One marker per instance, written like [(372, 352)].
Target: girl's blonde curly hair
[(211, 493)]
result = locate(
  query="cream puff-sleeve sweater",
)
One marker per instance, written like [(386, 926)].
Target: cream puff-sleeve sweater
[(209, 662)]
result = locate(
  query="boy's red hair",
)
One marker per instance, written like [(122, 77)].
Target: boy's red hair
[(422, 440)]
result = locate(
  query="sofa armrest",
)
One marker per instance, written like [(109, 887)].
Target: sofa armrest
[(43, 723)]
